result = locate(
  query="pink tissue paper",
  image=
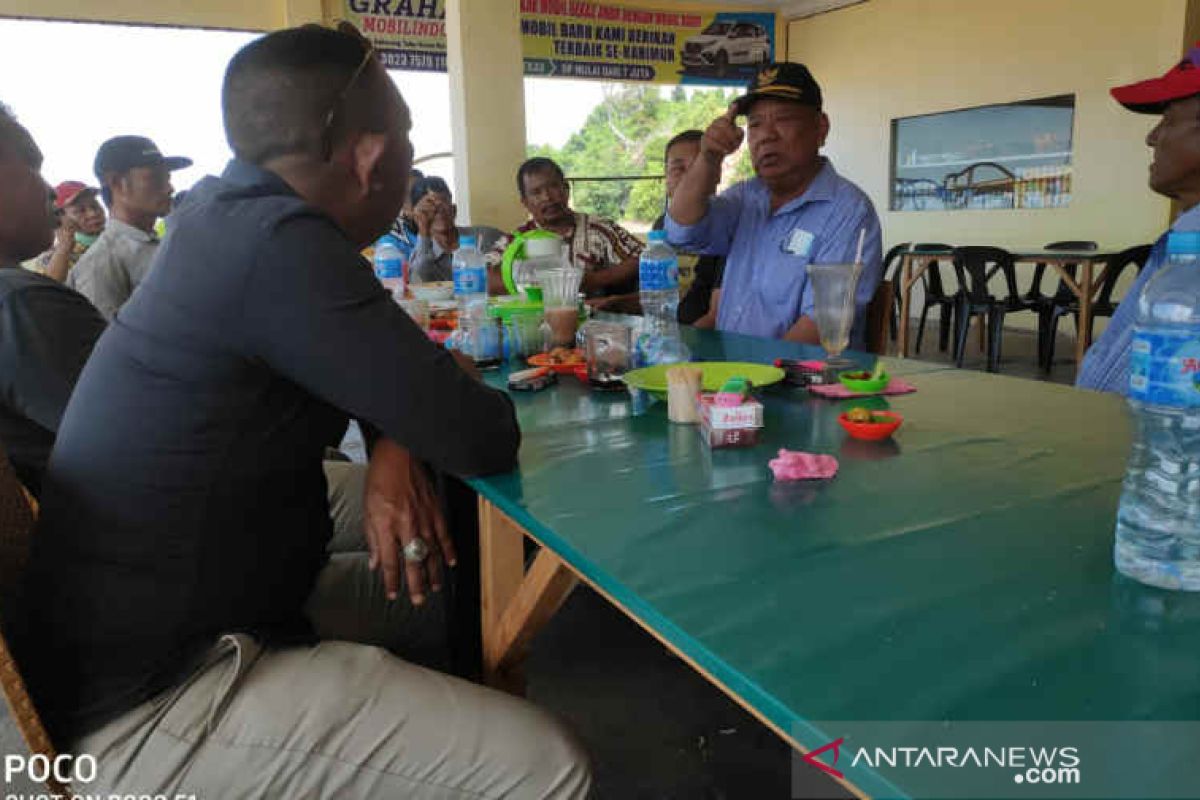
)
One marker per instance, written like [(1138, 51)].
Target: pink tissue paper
[(796, 466)]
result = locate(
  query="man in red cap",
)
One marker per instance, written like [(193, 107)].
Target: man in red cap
[(1174, 173), (81, 221)]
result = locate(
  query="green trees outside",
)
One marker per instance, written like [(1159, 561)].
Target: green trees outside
[(625, 135)]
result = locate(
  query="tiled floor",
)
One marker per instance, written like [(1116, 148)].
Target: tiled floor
[(1018, 357)]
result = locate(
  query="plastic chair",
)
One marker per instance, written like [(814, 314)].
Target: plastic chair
[(894, 274), (1103, 307), (935, 295), (18, 511), (1034, 295), (974, 267)]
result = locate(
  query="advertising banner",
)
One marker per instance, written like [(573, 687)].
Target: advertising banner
[(612, 41)]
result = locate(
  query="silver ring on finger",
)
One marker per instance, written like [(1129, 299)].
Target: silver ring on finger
[(416, 551)]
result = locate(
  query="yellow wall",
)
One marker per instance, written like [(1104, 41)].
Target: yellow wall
[(894, 58), (256, 15)]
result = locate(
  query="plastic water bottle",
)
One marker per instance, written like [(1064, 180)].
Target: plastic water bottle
[(658, 281), (1158, 523), (389, 265), (470, 278)]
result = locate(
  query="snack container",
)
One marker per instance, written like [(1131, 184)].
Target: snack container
[(730, 426)]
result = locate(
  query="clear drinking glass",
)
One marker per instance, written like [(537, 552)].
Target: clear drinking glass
[(482, 339), (609, 347), (834, 286), (560, 293), (525, 335), (560, 286), (417, 309)]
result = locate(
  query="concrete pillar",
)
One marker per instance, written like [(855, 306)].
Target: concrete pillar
[(487, 108)]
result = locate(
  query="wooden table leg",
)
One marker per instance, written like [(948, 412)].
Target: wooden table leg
[(501, 568), (516, 605), (906, 282), (1082, 340)]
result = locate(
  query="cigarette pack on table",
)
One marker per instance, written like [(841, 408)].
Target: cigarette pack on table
[(730, 426)]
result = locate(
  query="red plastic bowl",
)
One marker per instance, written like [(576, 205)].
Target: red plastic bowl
[(872, 431)]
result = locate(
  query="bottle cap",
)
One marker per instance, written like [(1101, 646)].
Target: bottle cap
[(656, 236)]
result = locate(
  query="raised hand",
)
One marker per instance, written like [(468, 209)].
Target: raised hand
[(723, 136)]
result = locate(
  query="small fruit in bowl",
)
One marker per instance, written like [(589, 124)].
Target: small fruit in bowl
[(862, 423), (859, 415)]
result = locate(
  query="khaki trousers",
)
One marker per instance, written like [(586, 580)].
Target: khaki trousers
[(346, 484), (338, 720)]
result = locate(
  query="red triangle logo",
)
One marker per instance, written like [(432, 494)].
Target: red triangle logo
[(812, 759)]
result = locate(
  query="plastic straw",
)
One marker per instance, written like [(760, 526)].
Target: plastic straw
[(862, 235)]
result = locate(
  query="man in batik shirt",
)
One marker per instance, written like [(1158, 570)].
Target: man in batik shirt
[(606, 252)]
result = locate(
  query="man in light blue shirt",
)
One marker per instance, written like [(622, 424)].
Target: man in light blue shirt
[(797, 211), (1175, 173)]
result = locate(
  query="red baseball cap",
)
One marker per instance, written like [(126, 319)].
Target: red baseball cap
[(1153, 96), (68, 191)]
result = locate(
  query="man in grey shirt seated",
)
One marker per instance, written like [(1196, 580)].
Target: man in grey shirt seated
[(437, 233), (136, 181)]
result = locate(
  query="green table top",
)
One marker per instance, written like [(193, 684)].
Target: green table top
[(962, 571)]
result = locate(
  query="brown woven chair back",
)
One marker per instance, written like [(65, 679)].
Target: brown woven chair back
[(878, 317), (18, 512)]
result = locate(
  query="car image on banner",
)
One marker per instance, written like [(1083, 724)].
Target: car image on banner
[(732, 44)]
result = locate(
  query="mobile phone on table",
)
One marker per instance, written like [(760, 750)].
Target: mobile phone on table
[(800, 373), (532, 380)]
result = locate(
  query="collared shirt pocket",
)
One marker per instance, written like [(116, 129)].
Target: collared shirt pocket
[(784, 279)]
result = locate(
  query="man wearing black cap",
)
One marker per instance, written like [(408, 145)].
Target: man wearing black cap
[(136, 181), (797, 211), (1174, 173)]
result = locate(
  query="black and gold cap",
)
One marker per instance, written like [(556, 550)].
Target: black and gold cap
[(783, 81)]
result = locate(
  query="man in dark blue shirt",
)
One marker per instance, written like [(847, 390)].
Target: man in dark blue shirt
[(46, 329), (179, 564)]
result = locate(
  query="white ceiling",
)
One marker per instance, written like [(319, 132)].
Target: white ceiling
[(791, 9)]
